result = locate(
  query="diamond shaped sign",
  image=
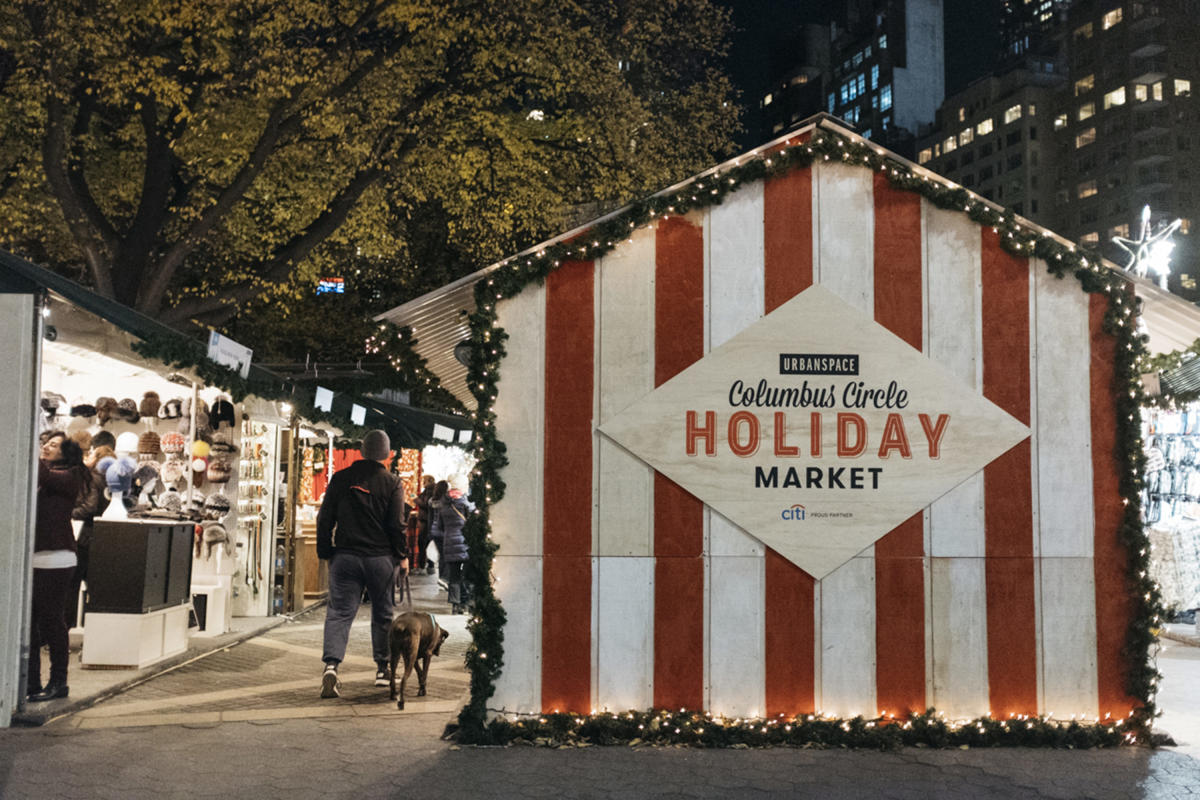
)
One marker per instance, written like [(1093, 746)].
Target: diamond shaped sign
[(816, 430)]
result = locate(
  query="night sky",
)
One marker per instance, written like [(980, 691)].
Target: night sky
[(971, 40)]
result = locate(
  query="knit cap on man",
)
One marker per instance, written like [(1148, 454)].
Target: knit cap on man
[(376, 446)]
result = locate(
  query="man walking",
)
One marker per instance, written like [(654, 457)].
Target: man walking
[(360, 529)]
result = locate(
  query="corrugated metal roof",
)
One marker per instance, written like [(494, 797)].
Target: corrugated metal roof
[(440, 317)]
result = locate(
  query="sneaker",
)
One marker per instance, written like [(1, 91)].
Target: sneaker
[(445, 586), (382, 678), (330, 685)]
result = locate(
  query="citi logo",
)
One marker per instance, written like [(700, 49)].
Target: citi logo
[(796, 513)]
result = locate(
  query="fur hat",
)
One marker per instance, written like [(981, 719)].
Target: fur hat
[(150, 405), (200, 449), (171, 470), (106, 409), (197, 504), (82, 408), (216, 505), (213, 535), (118, 473), (222, 443), (145, 475), (172, 409), (127, 442), (220, 470), (171, 500), (52, 401), (172, 442), (127, 410), (148, 444), (221, 414)]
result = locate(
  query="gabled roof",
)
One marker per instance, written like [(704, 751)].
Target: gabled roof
[(439, 318)]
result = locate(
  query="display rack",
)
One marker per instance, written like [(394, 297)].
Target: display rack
[(256, 514)]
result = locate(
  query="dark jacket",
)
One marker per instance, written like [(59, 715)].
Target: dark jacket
[(447, 524), (422, 502), (89, 502), (363, 513), (58, 489)]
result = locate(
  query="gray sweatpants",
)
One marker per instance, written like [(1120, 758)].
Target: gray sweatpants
[(349, 573)]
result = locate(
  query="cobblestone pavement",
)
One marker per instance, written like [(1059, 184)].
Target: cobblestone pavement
[(247, 722)]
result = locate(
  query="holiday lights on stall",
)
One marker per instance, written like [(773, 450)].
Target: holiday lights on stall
[(487, 338)]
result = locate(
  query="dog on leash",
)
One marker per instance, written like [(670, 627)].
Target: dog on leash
[(415, 637)]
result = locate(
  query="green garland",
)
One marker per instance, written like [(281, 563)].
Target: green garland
[(1169, 362), (486, 654)]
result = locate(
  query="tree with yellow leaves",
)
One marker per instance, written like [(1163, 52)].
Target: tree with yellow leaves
[(187, 157)]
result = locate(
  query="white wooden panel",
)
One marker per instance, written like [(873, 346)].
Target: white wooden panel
[(519, 588), (959, 624), (20, 353), (736, 678), (953, 334), (625, 366), (735, 279), (625, 633), (1036, 268), (1065, 516), (520, 416), (1069, 681), (848, 639), (845, 248)]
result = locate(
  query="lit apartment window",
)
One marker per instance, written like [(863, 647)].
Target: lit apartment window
[(862, 84), (767, 100), (1033, 109), (966, 137), (874, 77), (1084, 138), (857, 59), (1110, 19), (1185, 225), (1085, 84), (831, 103), (1086, 189), (883, 42), (1140, 93), (1156, 90), (1090, 238), (1182, 87), (885, 98), (949, 145), (985, 127), (1084, 31), (924, 156), (1114, 98), (1119, 230), (1012, 114), (1060, 122), (1086, 111)]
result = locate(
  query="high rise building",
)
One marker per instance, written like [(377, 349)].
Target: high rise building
[(878, 64), (1125, 129)]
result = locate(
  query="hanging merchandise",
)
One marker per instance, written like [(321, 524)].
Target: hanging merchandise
[(172, 409), (149, 444), (1171, 504), (172, 443), (150, 405)]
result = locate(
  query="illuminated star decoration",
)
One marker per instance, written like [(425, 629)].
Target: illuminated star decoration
[(1150, 252)]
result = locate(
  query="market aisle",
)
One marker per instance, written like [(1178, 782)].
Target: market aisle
[(277, 676), (1179, 699)]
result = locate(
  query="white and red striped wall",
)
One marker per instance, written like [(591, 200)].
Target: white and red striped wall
[(1004, 596)]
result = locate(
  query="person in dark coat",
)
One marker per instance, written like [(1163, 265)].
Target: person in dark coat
[(61, 480), (360, 530), (85, 511), (448, 511), (422, 503)]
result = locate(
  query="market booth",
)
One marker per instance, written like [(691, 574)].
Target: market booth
[(811, 432)]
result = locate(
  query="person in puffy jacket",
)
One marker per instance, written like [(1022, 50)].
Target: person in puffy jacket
[(448, 511)]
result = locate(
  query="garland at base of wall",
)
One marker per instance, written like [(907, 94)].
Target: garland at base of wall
[(485, 655), (694, 729)]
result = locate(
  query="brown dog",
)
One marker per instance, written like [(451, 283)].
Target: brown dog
[(414, 636)]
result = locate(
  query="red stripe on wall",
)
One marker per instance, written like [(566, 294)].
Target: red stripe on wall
[(1008, 487), (899, 555), (567, 461), (1114, 601), (678, 515), (789, 613)]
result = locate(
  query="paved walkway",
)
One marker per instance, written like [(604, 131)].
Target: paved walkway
[(247, 722)]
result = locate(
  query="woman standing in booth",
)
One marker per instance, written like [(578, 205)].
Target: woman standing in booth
[(62, 477)]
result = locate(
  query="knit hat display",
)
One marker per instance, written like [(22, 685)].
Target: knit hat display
[(106, 409), (222, 442), (127, 410), (221, 414), (172, 442), (172, 409), (213, 535), (127, 442), (201, 449), (118, 472), (148, 444), (145, 476), (82, 408), (150, 405), (171, 500), (376, 446), (220, 470), (197, 504)]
